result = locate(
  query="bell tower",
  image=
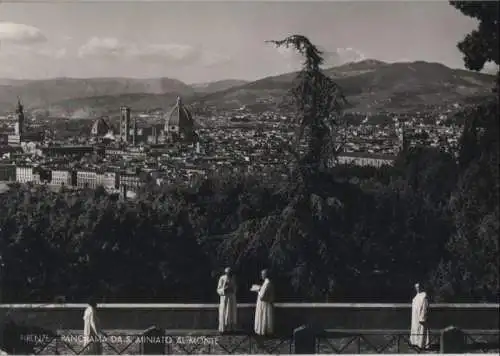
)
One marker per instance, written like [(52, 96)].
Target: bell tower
[(402, 138), (125, 124), (19, 128)]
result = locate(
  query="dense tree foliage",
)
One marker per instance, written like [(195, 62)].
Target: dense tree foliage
[(481, 45), (170, 244)]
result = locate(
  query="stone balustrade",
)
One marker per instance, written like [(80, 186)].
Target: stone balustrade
[(288, 316)]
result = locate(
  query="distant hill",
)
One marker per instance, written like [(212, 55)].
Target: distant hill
[(370, 86), (220, 85), (45, 93), (108, 105), (67, 94)]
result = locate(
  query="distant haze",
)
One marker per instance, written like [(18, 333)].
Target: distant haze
[(199, 42)]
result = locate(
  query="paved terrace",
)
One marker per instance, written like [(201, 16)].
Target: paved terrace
[(191, 328)]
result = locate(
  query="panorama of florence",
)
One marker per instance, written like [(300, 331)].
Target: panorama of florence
[(249, 177)]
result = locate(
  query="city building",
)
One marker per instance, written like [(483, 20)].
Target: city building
[(114, 152), (86, 179), (108, 180), (365, 159), (14, 140), (66, 150), (63, 177), (24, 174), (130, 181)]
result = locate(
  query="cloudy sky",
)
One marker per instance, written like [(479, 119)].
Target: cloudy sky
[(206, 41)]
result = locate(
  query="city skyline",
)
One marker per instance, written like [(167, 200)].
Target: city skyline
[(198, 42)]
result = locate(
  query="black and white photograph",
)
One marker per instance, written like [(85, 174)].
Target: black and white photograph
[(249, 177)]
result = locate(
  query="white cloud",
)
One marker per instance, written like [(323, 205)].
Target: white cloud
[(342, 56), (102, 47), (20, 34), (170, 53), (490, 68)]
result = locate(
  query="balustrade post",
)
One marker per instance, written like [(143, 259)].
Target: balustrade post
[(153, 341), (304, 340), (452, 341)]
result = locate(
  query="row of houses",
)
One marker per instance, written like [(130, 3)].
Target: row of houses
[(67, 177), (112, 180), (364, 159)]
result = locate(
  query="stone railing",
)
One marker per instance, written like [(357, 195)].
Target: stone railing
[(333, 328), (288, 316)]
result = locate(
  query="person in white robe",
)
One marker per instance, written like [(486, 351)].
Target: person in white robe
[(264, 309), (419, 335), (91, 331), (228, 309)]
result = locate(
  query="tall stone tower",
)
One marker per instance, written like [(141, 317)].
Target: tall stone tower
[(125, 124), (402, 141), (19, 127)]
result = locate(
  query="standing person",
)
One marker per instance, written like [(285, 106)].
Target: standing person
[(91, 329), (228, 309), (264, 313), (419, 335)]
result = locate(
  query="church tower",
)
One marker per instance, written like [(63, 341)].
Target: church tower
[(125, 124), (402, 140), (19, 127)]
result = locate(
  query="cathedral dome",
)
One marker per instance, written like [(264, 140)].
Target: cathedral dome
[(179, 119)]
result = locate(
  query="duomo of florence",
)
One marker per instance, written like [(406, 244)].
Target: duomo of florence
[(178, 127)]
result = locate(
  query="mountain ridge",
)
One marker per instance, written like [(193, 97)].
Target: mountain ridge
[(369, 84), (372, 85)]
